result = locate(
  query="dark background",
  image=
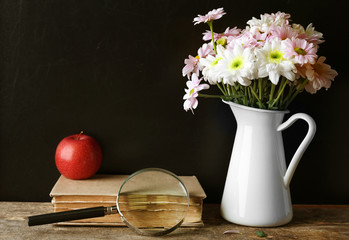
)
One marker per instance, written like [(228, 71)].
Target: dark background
[(114, 70)]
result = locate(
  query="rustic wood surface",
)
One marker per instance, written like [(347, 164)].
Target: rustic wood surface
[(309, 222)]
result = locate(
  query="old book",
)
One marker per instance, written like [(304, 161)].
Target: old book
[(101, 190)]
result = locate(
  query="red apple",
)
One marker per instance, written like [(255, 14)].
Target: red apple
[(78, 156)]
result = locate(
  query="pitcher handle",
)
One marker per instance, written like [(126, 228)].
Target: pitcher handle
[(302, 147)]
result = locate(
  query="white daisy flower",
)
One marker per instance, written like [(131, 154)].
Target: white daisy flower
[(209, 63), (272, 64), (260, 25), (237, 65), (263, 24)]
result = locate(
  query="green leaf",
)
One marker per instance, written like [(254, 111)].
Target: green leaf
[(261, 234), (260, 105), (227, 98)]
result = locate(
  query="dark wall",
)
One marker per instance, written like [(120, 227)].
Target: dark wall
[(113, 69)]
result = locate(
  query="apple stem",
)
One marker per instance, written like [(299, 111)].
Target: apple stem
[(80, 135)]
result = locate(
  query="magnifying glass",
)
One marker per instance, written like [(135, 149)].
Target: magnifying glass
[(151, 201)]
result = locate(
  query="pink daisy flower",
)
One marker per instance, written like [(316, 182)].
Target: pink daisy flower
[(260, 38), (246, 39), (320, 75), (205, 50), (315, 39), (208, 36), (283, 32), (300, 51), (191, 66), (210, 16), (234, 32), (250, 40), (192, 92)]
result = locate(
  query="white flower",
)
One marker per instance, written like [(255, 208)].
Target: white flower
[(272, 63), (299, 28), (280, 18), (237, 65), (309, 34), (260, 25), (267, 20), (208, 66), (313, 36)]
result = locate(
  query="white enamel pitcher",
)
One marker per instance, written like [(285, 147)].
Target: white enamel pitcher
[(256, 191)]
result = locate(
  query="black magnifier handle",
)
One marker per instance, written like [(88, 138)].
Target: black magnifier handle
[(69, 215)]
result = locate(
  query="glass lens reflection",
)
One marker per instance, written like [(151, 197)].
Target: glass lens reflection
[(153, 200)]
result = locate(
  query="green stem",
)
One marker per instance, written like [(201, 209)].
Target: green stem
[(256, 96), (236, 87), (237, 95), (213, 42), (225, 89), (229, 91), (290, 92), (210, 96), (260, 88), (237, 90), (249, 94), (233, 90), (254, 88), (300, 89), (272, 90), (245, 96), (281, 89), (281, 99), (222, 90)]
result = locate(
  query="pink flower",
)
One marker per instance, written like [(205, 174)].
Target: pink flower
[(231, 32), (300, 51), (250, 40), (192, 63), (227, 33), (320, 75), (205, 50), (283, 32), (192, 92), (208, 36), (210, 16), (315, 39), (301, 70), (191, 66)]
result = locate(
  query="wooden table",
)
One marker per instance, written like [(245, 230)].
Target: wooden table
[(309, 222)]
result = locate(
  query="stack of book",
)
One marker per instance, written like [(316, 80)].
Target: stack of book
[(101, 190)]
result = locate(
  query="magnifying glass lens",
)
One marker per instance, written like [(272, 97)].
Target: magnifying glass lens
[(153, 201)]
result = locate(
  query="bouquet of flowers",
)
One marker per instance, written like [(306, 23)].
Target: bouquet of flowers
[(266, 65)]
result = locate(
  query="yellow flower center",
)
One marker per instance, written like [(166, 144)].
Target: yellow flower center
[(300, 51), (276, 56), (222, 41), (237, 63)]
